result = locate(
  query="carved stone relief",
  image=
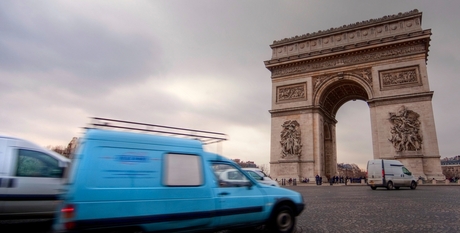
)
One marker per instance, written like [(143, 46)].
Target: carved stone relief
[(405, 132), (291, 92), (348, 60), (363, 74), (291, 145), (398, 78)]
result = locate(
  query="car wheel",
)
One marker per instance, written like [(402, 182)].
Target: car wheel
[(390, 185), (396, 188), (373, 188), (283, 220), (413, 185)]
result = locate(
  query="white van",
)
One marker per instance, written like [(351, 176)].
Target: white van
[(30, 179), (389, 174)]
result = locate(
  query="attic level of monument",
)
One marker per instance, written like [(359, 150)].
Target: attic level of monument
[(385, 38), (410, 17)]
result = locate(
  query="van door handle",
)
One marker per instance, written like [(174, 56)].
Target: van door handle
[(223, 194)]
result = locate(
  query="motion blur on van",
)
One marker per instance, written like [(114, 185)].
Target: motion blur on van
[(30, 179), (389, 174), (131, 181)]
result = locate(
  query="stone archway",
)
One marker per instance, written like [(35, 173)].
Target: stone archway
[(380, 61)]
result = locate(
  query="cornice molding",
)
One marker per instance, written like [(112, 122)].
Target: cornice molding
[(348, 48), (351, 58), (401, 99)]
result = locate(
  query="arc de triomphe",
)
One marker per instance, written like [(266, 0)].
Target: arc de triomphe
[(381, 61)]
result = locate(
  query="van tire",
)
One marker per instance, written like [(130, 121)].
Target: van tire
[(413, 185), (397, 188), (283, 220), (390, 185), (373, 187)]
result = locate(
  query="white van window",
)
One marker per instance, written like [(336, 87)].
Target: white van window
[(37, 164), (182, 170), (405, 171)]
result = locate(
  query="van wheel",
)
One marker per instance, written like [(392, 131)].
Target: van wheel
[(373, 188), (283, 220), (413, 185), (390, 185), (396, 188)]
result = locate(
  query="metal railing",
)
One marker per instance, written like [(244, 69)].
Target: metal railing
[(206, 137)]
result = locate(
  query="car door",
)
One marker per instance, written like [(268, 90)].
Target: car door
[(35, 184), (239, 200)]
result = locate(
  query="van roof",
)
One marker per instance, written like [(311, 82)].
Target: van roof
[(120, 136)]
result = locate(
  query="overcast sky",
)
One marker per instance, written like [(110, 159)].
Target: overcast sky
[(193, 64)]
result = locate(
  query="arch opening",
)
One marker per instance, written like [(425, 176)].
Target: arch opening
[(340, 92), (332, 98), (354, 135)]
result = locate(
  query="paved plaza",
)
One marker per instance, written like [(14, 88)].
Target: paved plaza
[(360, 209)]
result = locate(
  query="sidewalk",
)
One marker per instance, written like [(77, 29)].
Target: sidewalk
[(438, 183)]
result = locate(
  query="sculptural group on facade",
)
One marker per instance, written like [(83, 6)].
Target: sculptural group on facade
[(290, 139), (405, 132)]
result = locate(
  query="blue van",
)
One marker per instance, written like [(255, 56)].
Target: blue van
[(136, 182)]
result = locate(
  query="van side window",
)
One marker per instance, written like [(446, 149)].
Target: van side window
[(37, 164), (229, 176), (182, 170)]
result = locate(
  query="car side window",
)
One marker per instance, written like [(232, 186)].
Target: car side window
[(255, 175), (229, 176), (32, 163)]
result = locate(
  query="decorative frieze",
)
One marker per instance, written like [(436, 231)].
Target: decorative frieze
[(291, 92), (405, 130), (400, 78), (363, 74), (291, 145), (349, 59)]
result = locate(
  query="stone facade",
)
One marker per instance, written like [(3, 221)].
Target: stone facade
[(380, 61)]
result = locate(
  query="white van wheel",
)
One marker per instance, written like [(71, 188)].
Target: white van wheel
[(390, 185), (413, 185)]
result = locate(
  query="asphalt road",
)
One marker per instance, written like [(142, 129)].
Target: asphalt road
[(352, 209)]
